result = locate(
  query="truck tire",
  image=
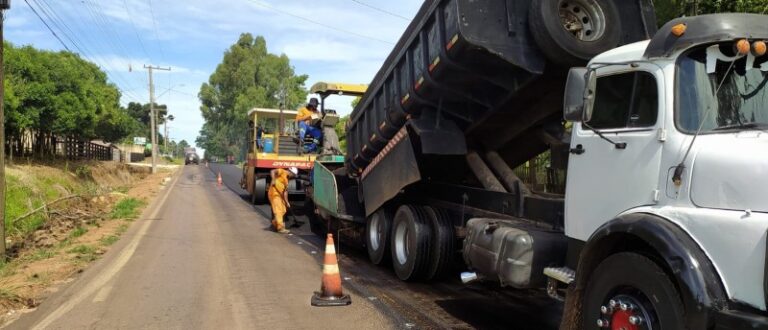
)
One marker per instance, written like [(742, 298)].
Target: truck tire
[(316, 224), (377, 229), (410, 243), (442, 249), (259, 195), (571, 32), (632, 279)]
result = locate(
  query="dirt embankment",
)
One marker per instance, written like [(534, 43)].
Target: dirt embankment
[(62, 218)]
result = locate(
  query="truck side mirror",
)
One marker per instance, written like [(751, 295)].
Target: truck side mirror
[(589, 94), (573, 106)]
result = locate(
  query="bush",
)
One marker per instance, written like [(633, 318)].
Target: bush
[(83, 172)]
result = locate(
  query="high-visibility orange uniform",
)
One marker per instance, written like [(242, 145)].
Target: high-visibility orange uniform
[(275, 195)]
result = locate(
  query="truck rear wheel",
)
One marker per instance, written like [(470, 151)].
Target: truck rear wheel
[(316, 224), (571, 32), (377, 230), (442, 248), (410, 243), (629, 291), (259, 194)]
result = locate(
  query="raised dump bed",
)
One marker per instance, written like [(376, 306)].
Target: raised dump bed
[(487, 66)]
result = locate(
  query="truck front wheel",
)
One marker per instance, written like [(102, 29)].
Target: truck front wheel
[(410, 243), (377, 230), (629, 291)]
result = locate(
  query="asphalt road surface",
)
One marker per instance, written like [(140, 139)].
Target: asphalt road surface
[(447, 304), (201, 258)]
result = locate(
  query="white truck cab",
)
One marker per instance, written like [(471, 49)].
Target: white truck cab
[(669, 170)]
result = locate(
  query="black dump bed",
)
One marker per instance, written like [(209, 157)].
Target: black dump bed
[(475, 67)]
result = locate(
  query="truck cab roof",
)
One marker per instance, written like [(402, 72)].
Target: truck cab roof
[(705, 29), (626, 53)]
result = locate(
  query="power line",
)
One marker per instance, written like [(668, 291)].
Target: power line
[(63, 28), (264, 5), (115, 39), (157, 35), (48, 26), (133, 25), (380, 10)]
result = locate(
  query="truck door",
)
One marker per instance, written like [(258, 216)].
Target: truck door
[(603, 179)]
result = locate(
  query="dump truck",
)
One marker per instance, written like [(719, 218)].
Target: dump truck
[(655, 145)]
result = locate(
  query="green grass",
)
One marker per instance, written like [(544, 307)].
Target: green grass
[(41, 254), (79, 231), (109, 240), (122, 229), (126, 209), (29, 193), (85, 253), (6, 269), (9, 294), (82, 249)]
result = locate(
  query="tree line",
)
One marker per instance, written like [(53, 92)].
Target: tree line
[(669, 9), (51, 96), (248, 77)]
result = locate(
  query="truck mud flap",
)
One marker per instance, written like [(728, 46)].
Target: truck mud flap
[(392, 169)]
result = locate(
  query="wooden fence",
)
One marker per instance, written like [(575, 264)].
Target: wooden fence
[(80, 150)]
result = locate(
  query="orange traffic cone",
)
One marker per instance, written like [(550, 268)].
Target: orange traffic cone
[(330, 290), (218, 180)]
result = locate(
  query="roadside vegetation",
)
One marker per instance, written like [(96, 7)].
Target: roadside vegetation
[(50, 241), (126, 209)]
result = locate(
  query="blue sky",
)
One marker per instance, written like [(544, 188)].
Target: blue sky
[(349, 44)]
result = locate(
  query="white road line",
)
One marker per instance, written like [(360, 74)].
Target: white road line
[(109, 271), (102, 295)]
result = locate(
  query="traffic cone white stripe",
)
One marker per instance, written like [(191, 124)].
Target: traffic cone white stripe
[(330, 269), (330, 249)]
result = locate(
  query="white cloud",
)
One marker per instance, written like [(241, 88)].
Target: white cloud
[(192, 35)]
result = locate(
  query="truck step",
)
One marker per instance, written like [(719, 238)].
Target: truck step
[(561, 274)]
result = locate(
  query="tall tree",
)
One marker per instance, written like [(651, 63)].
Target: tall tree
[(248, 76), (58, 94)]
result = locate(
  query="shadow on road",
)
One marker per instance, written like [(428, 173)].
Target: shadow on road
[(445, 304)]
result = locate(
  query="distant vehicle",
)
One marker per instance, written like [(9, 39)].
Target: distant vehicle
[(190, 156)]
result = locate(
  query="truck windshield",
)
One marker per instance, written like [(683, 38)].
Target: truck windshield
[(740, 103)]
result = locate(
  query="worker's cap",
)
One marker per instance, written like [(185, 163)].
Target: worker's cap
[(294, 170), (313, 102)]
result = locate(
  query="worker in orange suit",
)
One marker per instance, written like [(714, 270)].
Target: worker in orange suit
[(278, 196)]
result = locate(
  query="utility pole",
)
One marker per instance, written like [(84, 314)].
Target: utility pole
[(4, 4), (153, 114)]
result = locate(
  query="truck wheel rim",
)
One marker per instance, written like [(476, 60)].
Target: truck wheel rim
[(402, 235), (584, 19), (375, 231), (627, 312)]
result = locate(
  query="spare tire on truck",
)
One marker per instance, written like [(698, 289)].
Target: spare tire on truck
[(571, 32)]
